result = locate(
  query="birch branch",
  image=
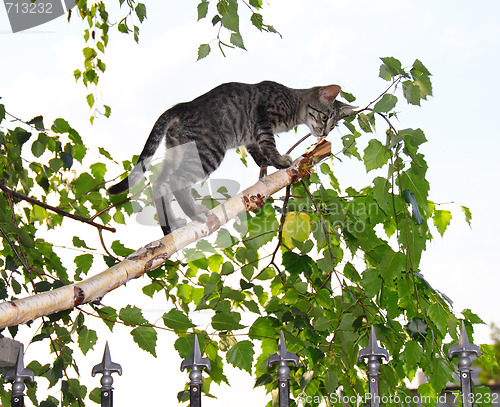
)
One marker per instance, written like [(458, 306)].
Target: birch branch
[(156, 253)]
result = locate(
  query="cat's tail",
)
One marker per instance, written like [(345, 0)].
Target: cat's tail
[(152, 143)]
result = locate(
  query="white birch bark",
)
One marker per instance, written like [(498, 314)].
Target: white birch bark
[(156, 253)]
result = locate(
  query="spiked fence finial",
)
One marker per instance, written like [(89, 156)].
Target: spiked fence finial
[(463, 347), (373, 350), (106, 367), (195, 360), (282, 356)]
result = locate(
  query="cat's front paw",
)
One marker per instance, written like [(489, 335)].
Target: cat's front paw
[(284, 161)]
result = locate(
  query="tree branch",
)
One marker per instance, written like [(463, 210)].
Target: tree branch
[(59, 211), (156, 253)]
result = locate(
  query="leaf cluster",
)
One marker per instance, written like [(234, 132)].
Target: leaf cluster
[(96, 38), (226, 18), (44, 186), (322, 263)]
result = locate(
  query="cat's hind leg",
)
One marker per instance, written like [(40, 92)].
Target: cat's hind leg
[(186, 201), (162, 196)]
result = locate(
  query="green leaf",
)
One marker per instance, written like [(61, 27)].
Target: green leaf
[(87, 338), (297, 226), (84, 262), (95, 395), (364, 123), (263, 327), (442, 219), (414, 180), (371, 282), (119, 217), (98, 170), (237, 40), (84, 184), (90, 100), (140, 10), (428, 395), (241, 355), (227, 321), (122, 27), (184, 345), (257, 20), (136, 34), (420, 67), (50, 402), (392, 264), (202, 9), (103, 152), (439, 315), (145, 337), (177, 320), (411, 93), (387, 103), (66, 160), (120, 249), (412, 354), (203, 51), (132, 315), (471, 317), (331, 381), (375, 155), (37, 122), (441, 373), (77, 242), (425, 86), (20, 135), (108, 316), (38, 148), (391, 66), (381, 192), (256, 3), (107, 111), (61, 126), (228, 10), (348, 96), (296, 264), (468, 215)]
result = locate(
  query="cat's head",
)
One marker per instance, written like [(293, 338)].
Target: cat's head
[(324, 111)]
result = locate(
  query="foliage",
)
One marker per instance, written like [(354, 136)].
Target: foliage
[(225, 19), (489, 367), (323, 263)]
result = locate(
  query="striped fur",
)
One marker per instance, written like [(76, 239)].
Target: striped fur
[(228, 116)]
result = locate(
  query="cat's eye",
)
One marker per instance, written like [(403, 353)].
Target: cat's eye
[(324, 118)]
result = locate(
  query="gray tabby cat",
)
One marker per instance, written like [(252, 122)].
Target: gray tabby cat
[(229, 116)]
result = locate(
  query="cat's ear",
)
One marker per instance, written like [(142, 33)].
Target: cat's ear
[(328, 93), (345, 109)]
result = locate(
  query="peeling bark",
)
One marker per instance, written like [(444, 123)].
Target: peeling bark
[(156, 253)]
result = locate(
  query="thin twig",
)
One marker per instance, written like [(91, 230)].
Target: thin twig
[(394, 82), (280, 237), (53, 208), (104, 246), (297, 143)]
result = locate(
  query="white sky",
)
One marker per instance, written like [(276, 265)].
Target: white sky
[(324, 41)]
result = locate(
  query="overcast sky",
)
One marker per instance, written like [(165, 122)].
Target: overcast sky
[(324, 42)]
